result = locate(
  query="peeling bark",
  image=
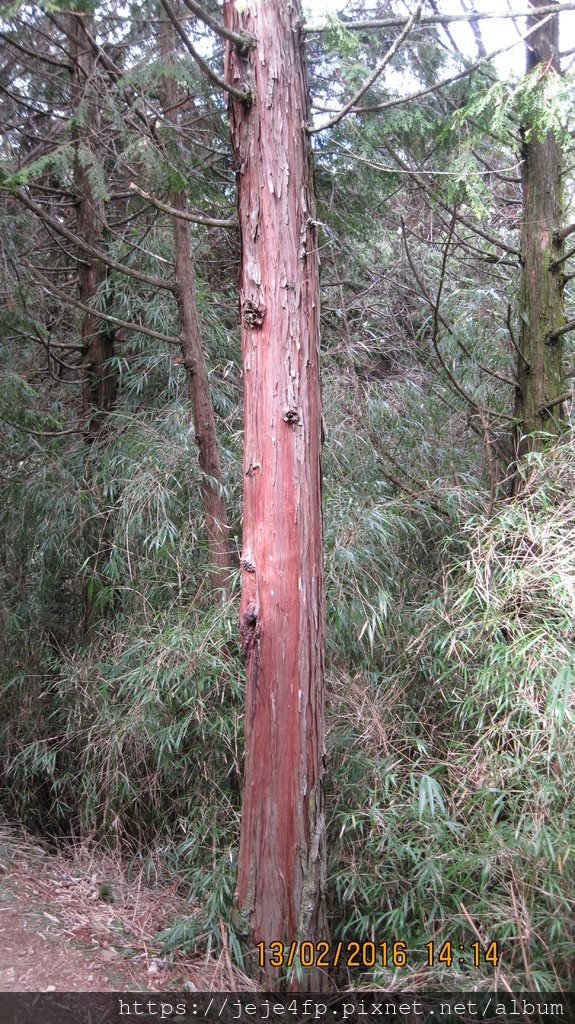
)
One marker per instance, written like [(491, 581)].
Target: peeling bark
[(540, 364), (281, 871)]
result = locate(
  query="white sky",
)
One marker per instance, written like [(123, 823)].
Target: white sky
[(496, 33)]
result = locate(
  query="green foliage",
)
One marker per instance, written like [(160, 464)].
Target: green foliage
[(465, 183), (545, 104), (95, 172), (134, 697), (452, 814), (58, 161), (338, 39), (541, 101)]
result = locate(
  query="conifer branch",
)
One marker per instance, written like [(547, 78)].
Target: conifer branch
[(437, 319), (239, 94), (194, 218), (377, 71), (44, 57), (242, 42), (90, 250), (59, 293), (398, 101), (423, 291), (492, 239)]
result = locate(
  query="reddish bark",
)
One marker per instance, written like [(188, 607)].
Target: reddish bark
[(281, 871), (540, 365), (196, 371)]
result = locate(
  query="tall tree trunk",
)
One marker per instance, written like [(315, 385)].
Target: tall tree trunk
[(195, 366), (99, 383), (540, 364), (281, 870)]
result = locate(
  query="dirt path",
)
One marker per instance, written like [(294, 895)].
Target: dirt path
[(33, 958), (77, 925)]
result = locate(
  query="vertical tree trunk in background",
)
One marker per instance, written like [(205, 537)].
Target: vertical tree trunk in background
[(281, 871), (98, 381), (195, 366), (99, 384), (540, 365)]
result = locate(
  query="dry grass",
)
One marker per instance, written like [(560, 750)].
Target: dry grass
[(88, 900)]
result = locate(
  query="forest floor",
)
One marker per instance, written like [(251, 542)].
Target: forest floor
[(76, 924)]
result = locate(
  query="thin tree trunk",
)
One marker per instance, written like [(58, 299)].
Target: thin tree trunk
[(281, 869), (99, 383), (540, 365), (196, 370)]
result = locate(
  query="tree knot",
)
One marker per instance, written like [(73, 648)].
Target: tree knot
[(250, 629), (291, 416), (253, 314)]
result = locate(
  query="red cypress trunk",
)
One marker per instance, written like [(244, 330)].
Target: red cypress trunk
[(281, 871)]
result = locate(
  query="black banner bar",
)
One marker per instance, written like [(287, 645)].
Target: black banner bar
[(304, 1008)]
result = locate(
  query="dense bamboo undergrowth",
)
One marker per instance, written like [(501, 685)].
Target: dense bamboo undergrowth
[(450, 605), (450, 671)]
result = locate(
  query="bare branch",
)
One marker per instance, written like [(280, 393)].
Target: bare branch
[(511, 332), (387, 104), (240, 94), (242, 42), (435, 331), (125, 324), (408, 488), (90, 250), (376, 71), (41, 433), (562, 259), (36, 54), (195, 218), (560, 236), (462, 220), (420, 170), (565, 397), (569, 326), (437, 19), (475, 28)]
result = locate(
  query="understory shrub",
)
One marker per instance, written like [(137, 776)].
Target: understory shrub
[(451, 796)]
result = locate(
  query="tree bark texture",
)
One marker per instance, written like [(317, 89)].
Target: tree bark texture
[(99, 383), (540, 364), (196, 369), (281, 871)]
